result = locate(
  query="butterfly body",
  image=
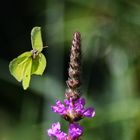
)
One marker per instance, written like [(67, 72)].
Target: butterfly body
[(35, 53)]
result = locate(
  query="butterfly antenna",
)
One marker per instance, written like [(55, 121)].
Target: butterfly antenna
[(45, 47)]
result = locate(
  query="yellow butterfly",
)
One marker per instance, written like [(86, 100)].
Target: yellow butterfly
[(31, 62)]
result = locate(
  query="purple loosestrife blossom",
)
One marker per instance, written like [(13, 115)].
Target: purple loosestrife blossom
[(55, 132), (75, 131), (73, 110)]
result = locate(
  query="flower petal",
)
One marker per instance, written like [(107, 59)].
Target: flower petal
[(89, 112), (55, 129), (56, 132), (59, 108)]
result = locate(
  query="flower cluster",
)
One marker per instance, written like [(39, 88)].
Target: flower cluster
[(75, 131), (73, 109)]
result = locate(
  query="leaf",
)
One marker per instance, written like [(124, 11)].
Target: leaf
[(39, 64), (36, 39), (27, 73), (17, 65)]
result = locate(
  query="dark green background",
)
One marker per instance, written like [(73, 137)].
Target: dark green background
[(110, 31)]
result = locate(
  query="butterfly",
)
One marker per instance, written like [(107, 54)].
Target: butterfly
[(30, 62)]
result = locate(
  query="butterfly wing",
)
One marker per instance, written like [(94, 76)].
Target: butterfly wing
[(27, 73), (17, 65), (36, 39), (39, 64)]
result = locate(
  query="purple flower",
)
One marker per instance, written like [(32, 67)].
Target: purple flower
[(73, 110), (75, 131), (59, 108), (56, 132)]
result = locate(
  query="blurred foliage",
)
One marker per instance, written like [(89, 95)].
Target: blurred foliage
[(110, 72)]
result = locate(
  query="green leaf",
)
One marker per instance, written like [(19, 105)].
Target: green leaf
[(17, 65), (27, 73), (36, 39), (39, 64)]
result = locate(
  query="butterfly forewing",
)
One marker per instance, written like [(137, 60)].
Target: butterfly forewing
[(36, 39), (17, 65), (25, 54)]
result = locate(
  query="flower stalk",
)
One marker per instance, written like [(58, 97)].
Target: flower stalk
[(73, 109), (74, 71)]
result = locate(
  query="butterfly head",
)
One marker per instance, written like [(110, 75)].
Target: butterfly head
[(34, 53)]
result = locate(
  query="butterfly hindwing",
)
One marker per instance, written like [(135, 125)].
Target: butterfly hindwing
[(39, 64), (27, 73)]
